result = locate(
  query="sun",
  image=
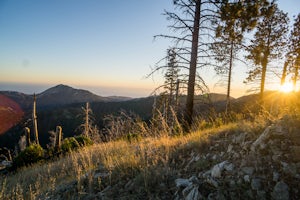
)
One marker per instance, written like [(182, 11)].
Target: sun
[(286, 87)]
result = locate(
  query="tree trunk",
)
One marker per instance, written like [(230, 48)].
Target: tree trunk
[(86, 126), (193, 66), (27, 134), (284, 73), (228, 105), (297, 62), (34, 118), (58, 137), (263, 78), (176, 96)]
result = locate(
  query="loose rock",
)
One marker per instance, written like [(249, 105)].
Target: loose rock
[(281, 191)]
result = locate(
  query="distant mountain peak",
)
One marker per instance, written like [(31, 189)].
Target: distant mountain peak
[(57, 89)]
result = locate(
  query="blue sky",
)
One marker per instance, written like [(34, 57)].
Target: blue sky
[(105, 46)]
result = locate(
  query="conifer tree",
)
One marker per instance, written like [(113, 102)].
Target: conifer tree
[(268, 43), (294, 50), (235, 18)]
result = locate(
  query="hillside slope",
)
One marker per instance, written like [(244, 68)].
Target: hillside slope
[(245, 160), (10, 113)]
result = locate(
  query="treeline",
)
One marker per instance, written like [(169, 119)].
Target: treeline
[(212, 34)]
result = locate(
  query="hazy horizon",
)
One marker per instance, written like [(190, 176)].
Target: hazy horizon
[(31, 88)]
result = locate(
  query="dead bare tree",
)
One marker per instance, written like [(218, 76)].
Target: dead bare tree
[(34, 118), (192, 36)]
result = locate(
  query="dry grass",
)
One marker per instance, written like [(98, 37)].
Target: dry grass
[(120, 160)]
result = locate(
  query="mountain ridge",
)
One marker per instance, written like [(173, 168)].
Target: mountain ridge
[(59, 95)]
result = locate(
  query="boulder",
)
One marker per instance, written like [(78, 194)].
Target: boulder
[(262, 139), (216, 171), (281, 191), (256, 184), (180, 182), (192, 193), (248, 170)]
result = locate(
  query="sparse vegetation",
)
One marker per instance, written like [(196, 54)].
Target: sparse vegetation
[(244, 149), (139, 165), (29, 155)]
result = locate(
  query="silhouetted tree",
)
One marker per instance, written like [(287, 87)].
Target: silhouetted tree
[(193, 25), (268, 43), (235, 18), (34, 119), (294, 49), (169, 90)]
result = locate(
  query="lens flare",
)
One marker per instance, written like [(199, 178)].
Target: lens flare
[(286, 87)]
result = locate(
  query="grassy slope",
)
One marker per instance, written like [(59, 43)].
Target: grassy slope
[(149, 167), (142, 170)]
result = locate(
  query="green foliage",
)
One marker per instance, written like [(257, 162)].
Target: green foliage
[(83, 140), (69, 144), (31, 154), (73, 143), (269, 39)]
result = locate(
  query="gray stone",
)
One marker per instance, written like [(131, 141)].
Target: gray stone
[(101, 175), (180, 182), (247, 178), (261, 140), (281, 191), (256, 184), (212, 182), (236, 155), (205, 174), (229, 149), (222, 153), (194, 180), (261, 195), (6, 163), (214, 157), (197, 157), (276, 176), (229, 167), (194, 194), (248, 170), (290, 169), (216, 171)]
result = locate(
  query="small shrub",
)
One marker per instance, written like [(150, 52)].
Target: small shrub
[(69, 144), (31, 154), (83, 140)]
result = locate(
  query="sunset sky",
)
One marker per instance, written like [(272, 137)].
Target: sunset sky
[(105, 46)]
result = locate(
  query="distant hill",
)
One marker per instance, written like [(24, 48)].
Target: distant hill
[(63, 95), (62, 105), (23, 100), (10, 113), (59, 95)]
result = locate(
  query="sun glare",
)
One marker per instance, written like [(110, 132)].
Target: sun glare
[(286, 87)]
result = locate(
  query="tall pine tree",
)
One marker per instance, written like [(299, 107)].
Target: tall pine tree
[(268, 43)]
